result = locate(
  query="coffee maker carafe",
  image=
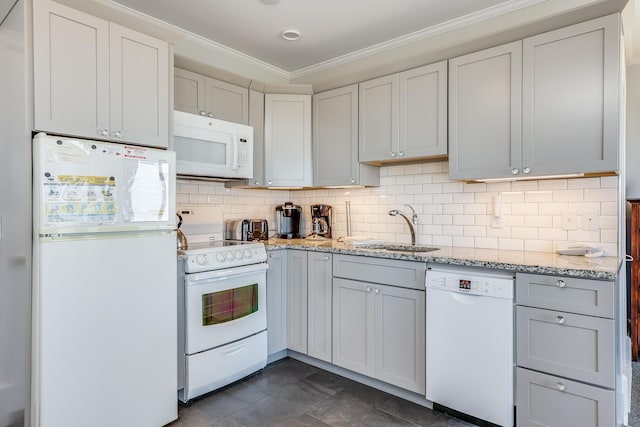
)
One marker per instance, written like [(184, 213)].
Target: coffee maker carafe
[(288, 220), (321, 220)]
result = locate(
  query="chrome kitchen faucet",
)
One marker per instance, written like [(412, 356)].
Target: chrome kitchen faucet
[(412, 222)]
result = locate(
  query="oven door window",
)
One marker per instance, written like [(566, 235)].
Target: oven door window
[(231, 304)]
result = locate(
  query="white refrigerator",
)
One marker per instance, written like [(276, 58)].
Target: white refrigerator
[(104, 284)]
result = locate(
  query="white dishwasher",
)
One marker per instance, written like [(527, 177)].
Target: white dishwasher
[(469, 339)]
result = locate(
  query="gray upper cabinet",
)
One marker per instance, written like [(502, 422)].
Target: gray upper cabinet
[(378, 119), (484, 112), (335, 140), (198, 94), (423, 112), (403, 116), (96, 79), (287, 140), (188, 91), (548, 105), (571, 102)]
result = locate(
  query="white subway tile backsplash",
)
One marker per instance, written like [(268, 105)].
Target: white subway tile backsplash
[(511, 244), (553, 184), (449, 212), (583, 183), (486, 243), (568, 196), (601, 194)]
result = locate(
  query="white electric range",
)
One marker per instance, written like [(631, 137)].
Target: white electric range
[(222, 323)]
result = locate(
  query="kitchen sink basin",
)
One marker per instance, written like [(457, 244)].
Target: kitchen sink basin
[(409, 248)]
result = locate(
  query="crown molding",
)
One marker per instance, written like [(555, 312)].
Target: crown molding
[(451, 25)]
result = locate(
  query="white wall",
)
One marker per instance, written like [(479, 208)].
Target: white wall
[(450, 213), (632, 166), (15, 221)]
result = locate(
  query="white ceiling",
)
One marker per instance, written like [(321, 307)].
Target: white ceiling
[(343, 41), (330, 28)]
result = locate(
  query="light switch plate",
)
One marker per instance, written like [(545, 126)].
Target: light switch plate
[(569, 220), (590, 220)]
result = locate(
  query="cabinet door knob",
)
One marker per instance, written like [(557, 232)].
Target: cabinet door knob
[(526, 170), (561, 386), (560, 320), (256, 183), (393, 154), (269, 182), (377, 291), (401, 154), (560, 283), (326, 258), (515, 171), (104, 132), (368, 288), (210, 115), (117, 134), (353, 181), (203, 113)]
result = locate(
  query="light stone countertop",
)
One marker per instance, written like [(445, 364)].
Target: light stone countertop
[(603, 268)]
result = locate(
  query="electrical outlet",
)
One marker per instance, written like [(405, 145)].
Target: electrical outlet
[(569, 220), (590, 220), (496, 221)]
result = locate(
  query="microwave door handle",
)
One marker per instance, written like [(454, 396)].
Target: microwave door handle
[(234, 156)]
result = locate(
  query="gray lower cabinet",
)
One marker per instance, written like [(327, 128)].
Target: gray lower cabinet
[(198, 94), (546, 400), (379, 329), (565, 347), (546, 105), (335, 140), (297, 300), (96, 79), (319, 293), (277, 301)]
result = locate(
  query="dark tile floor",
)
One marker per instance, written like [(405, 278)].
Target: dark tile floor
[(292, 393)]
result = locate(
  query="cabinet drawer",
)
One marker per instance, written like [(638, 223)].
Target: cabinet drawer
[(545, 400), (582, 296), (393, 272), (571, 345)]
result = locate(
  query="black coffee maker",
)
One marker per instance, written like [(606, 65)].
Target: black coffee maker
[(321, 220), (288, 220)]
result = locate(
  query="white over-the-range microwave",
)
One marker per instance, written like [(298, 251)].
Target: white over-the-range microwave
[(212, 148)]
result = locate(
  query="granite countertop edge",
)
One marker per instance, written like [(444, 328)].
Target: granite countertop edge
[(603, 268)]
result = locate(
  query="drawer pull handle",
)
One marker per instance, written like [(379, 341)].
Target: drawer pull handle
[(560, 320), (561, 386), (560, 283)]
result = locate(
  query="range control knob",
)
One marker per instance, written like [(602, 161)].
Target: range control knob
[(201, 259), (229, 256), (247, 253), (220, 257), (237, 255)]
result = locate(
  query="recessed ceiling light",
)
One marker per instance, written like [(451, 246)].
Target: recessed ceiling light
[(291, 34)]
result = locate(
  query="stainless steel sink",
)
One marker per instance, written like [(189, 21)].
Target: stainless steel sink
[(409, 248)]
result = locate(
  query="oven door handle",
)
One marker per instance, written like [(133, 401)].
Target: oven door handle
[(216, 275)]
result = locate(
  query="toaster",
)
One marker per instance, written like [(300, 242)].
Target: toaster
[(246, 229)]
